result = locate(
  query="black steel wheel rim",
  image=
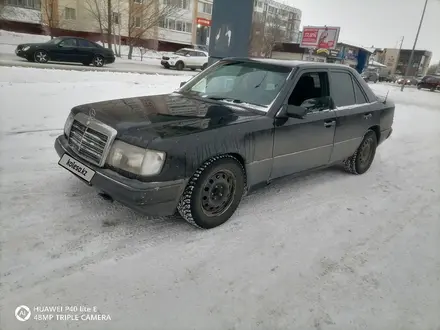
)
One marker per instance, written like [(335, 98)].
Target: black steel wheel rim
[(218, 193), (366, 152)]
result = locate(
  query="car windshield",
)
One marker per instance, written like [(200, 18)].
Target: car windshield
[(54, 41), (247, 83)]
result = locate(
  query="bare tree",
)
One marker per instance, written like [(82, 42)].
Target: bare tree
[(267, 31), (109, 24), (433, 69), (2, 8), (273, 34), (98, 11), (144, 16), (52, 17)]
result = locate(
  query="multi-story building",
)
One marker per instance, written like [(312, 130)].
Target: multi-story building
[(397, 61), (189, 24)]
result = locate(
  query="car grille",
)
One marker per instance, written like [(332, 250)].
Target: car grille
[(165, 58), (87, 142)]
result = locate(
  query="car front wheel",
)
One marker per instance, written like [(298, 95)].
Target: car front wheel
[(41, 56), (213, 193), (361, 160), (98, 61), (180, 66)]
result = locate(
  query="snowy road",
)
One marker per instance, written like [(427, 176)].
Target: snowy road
[(324, 251)]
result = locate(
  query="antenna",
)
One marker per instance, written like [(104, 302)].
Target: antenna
[(386, 97)]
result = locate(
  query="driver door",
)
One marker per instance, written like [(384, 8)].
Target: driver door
[(65, 51), (307, 143)]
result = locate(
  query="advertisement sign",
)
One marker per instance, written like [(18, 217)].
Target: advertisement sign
[(320, 37), (203, 21), (231, 27)]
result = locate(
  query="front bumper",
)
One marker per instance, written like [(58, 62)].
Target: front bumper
[(21, 53), (150, 198), (110, 60)]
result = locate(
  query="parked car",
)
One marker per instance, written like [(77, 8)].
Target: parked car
[(370, 76), (237, 125), (429, 82), (390, 78), (407, 80), (66, 49), (186, 58)]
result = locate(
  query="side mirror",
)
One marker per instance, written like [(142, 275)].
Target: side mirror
[(188, 55), (296, 112), (182, 83)]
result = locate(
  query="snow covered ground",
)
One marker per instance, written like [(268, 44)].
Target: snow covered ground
[(324, 251)]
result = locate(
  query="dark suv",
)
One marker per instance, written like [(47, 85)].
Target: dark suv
[(429, 82)]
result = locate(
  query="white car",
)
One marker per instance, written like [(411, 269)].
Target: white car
[(186, 58)]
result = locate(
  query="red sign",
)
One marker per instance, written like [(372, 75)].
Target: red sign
[(321, 37), (203, 21)]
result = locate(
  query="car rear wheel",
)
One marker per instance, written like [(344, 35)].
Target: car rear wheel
[(98, 61), (41, 56), (204, 66), (180, 66), (213, 193), (361, 160)]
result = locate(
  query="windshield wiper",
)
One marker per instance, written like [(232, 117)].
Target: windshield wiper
[(222, 98)]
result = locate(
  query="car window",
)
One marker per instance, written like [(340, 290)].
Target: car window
[(360, 97), (85, 43), (192, 53), (68, 43), (342, 89), (201, 54), (181, 52), (311, 92), (252, 83)]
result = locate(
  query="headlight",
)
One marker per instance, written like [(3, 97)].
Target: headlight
[(26, 48), (135, 160), (68, 124)]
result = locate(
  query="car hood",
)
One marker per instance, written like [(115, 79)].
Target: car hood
[(139, 120)]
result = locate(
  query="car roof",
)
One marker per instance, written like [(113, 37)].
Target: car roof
[(288, 63)]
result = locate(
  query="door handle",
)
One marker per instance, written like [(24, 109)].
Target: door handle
[(329, 123), (368, 116)]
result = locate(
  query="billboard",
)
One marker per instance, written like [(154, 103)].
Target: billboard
[(230, 28), (320, 37)]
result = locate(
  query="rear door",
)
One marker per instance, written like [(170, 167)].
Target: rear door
[(192, 60), (86, 50), (354, 114)]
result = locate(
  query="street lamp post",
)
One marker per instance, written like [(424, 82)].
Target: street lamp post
[(408, 67)]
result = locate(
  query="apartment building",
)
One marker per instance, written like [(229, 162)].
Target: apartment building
[(190, 24), (397, 61)]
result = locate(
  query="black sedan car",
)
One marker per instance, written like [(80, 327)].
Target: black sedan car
[(237, 125), (66, 49)]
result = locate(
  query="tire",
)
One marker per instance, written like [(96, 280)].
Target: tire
[(418, 87), (202, 203), (180, 66), (204, 66), (41, 56), (361, 160), (193, 69), (98, 61)]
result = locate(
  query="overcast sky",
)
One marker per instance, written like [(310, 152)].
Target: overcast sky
[(381, 23)]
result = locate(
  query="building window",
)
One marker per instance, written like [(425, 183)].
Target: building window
[(185, 4), (32, 4), (174, 25), (205, 7), (137, 22), (116, 17), (70, 13)]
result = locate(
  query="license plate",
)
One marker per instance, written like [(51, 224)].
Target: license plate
[(76, 167)]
